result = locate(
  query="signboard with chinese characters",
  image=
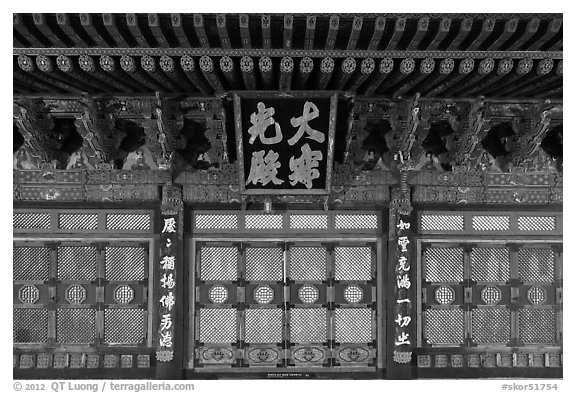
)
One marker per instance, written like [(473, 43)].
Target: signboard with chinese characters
[(167, 287), (285, 141), (403, 307)]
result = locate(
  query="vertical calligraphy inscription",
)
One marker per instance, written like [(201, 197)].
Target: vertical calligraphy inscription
[(403, 308), (284, 143)]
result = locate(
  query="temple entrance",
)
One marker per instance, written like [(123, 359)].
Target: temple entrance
[(306, 303)]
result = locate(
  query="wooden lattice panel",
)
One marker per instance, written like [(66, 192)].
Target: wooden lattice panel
[(537, 325), (442, 222), (307, 263), (263, 325), (217, 325), (75, 325), (308, 325), (443, 264), (264, 264), (77, 221), (31, 221), (77, 263), (124, 326), (218, 263), (216, 221), (353, 263), (30, 325), (125, 263), (353, 325), (31, 263), (490, 264), (444, 327), (536, 264), (491, 325)]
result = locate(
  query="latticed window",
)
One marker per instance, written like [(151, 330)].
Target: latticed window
[(285, 304), (80, 293), (489, 293)]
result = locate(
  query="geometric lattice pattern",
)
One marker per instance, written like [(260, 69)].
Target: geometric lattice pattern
[(353, 263), (490, 223), (75, 325), (536, 223), (308, 221), (491, 295), (124, 325), (537, 325), (444, 295), (308, 294), (77, 221), (263, 221), (536, 264), (356, 221), (536, 295), (491, 325), (353, 325), (216, 221), (308, 325), (125, 263), (353, 294), (490, 264), (218, 294), (217, 325), (445, 327), (75, 294), (308, 263), (263, 325), (30, 325), (77, 263), (31, 263), (439, 222), (263, 294), (442, 264), (139, 222), (264, 264), (218, 263), (29, 294), (124, 294), (31, 220)]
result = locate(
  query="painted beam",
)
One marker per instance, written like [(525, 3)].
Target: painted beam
[(247, 69), (288, 29), (245, 31), (305, 68), (201, 31), (63, 21), (266, 21), (286, 70), (443, 30), (22, 29), (379, 27), (487, 28), (332, 32), (356, 29), (421, 31), (178, 28), (87, 24), (399, 27), (110, 25), (154, 25), (223, 31), (41, 22), (465, 28)]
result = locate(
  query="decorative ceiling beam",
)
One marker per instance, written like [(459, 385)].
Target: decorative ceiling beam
[(266, 21), (304, 70), (544, 68), (207, 68), (174, 73), (529, 31), (405, 69), (485, 67), (110, 25), (189, 69), (440, 74), (88, 65), (399, 27), (288, 28), (356, 28), (426, 68), (28, 79), (326, 69), (154, 24), (178, 29), (16, 42), (63, 21), (286, 69), (41, 23), (19, 86), (46, 65), (66, 65), (421, 31), (548, 92), (379, 27), (385, 68), (553, 28), (227, 68), (148, 64), (441, 33), (247, 68), (332, 32), (128, 64), (557, 46), (223, 31), (279, 53), (523, 68), (509, 29), (108, 64), (464, 68), (132, 23), (26, 63), (245, 31), (200, 31), (505, 66), (22, 29), (90, 29), (310, 29), (266, 72), (367, 66), (487, 29), (465, 28), (344, 73)]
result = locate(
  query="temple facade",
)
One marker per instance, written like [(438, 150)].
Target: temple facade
[(368, 196)]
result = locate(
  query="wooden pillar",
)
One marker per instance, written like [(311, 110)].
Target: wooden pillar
[(169, 280)]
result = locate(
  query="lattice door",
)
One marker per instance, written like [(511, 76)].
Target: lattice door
[(285, 305)]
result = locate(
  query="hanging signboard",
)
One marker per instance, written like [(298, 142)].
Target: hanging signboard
[(285, 141)]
